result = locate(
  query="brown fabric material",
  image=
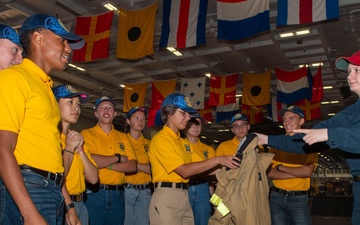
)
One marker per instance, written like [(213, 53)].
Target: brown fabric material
[(243, 192)]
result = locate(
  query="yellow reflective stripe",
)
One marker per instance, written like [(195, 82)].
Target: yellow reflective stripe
[(215, 200), (223, 210)]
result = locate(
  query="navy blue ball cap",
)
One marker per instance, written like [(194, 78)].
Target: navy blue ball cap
[(238, 116), (55, 25), (135, 109), (179, 101), (67, 91), (103, 99), (9, 33), (292, 109)]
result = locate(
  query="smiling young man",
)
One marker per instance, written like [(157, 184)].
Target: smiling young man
[(290, 174), (30, 154), (114, 156)]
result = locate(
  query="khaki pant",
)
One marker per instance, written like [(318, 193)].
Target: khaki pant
[(170, 206)]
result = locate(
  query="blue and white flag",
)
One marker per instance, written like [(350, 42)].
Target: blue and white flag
[(194, 89), (239, 19), (227, 111), (293, 85), (183, 23)]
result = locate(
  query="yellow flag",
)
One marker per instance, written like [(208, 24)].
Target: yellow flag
[(256, 88), (134, 95), (136, 32)]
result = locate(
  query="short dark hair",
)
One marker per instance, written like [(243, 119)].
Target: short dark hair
[(25, 39), (166, 111)]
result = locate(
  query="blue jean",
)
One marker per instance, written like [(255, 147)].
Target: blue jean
[(105, 207), (289, 209), (199, 197), (355, 217), (45, 194), (137, 206)]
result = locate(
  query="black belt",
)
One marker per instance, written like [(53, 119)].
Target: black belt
[(138, 186), (57, 177), (77, 198), (356, 178), (183, 186), (111, 187), (196, 181), (293, 193)]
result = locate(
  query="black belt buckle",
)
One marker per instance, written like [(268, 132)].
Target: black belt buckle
[(77, 198), (59, 177)]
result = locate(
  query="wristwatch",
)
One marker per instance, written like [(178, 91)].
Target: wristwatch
[(119, 157), (69, 206)]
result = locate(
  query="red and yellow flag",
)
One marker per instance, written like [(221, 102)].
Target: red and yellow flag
[(136, 32), (134, 95), (223, 89), (254, 113), (312, 111), (96, 32)]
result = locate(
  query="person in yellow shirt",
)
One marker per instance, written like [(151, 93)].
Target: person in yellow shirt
[(10, 47), (30, 153), (81, 165), (240, 127), (199, 189), (114, 156), (290, 174), (171, 165), (137, 188)]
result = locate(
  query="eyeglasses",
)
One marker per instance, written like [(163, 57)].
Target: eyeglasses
[(239, 126), (182, 112)]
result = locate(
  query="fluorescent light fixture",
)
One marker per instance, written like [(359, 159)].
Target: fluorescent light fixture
[(325, 103), (281, 126), (285, 35), (302, 32), (122, 85), (208, 75), (317, 64), (203, 137), (334, 102), (328, 87), (331, 114), (174, 51), (239, 95), (216, 141), (111, 7), (220, 130), (76, 67)]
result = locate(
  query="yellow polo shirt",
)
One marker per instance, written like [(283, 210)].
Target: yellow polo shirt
[(228, 147), (167, 152), (293, 160), (105, 144), (201, 151), (141, 148), (29, 109), (75, 180)]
